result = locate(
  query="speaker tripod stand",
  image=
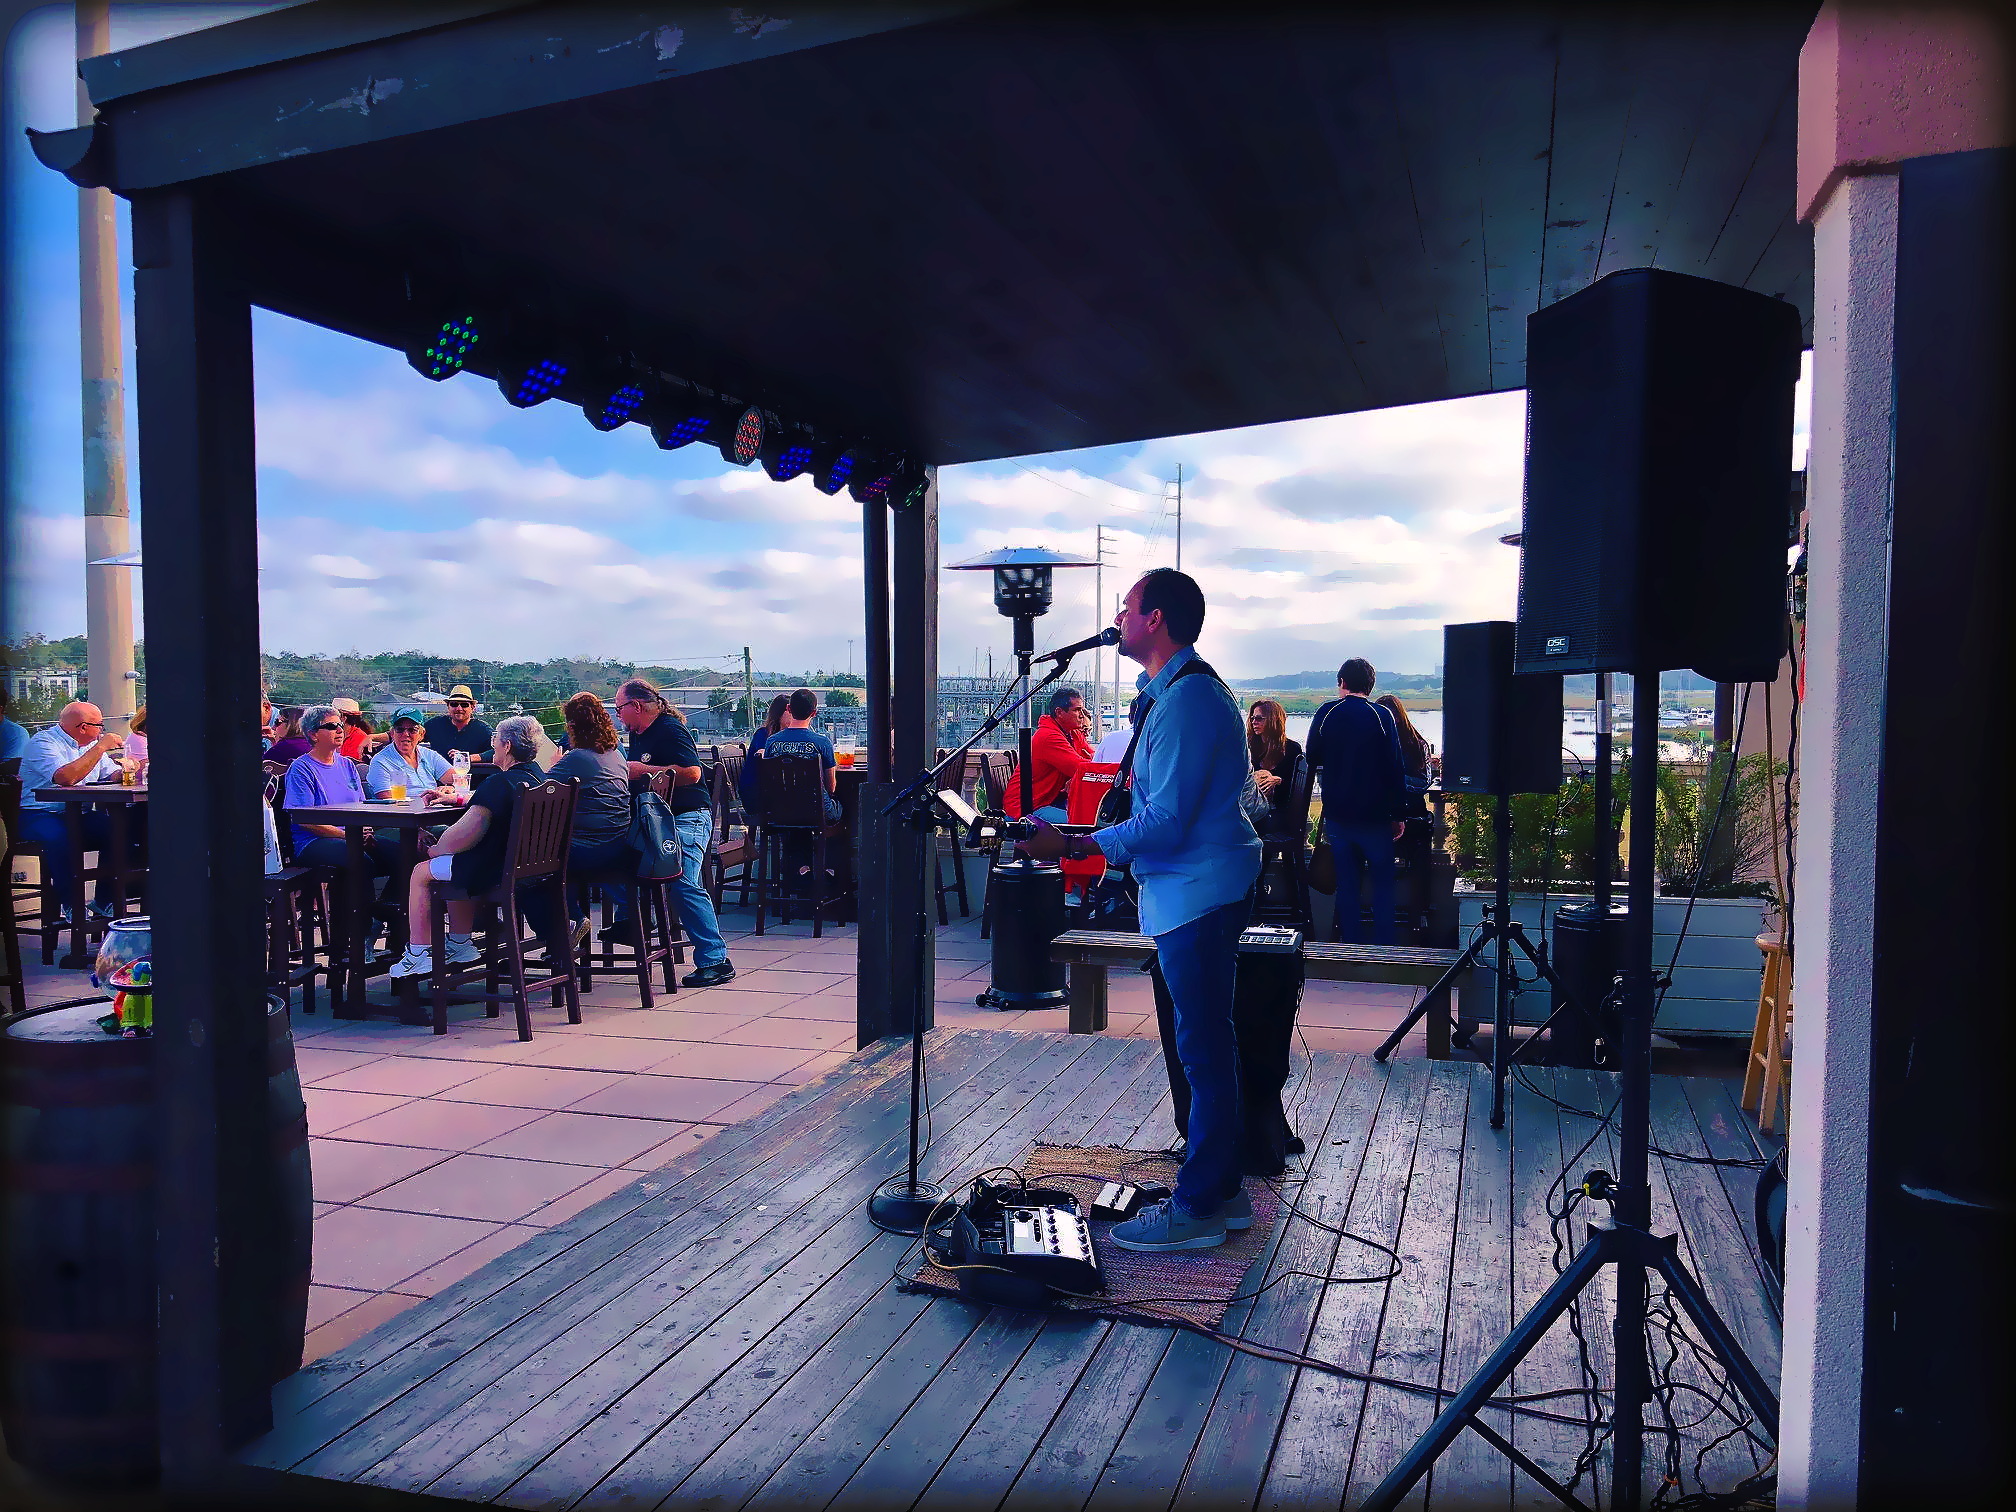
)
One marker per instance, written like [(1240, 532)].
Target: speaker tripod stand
[(1628, 1243), (1500, 928)]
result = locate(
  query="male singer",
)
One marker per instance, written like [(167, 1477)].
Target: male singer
[(1196, 858)]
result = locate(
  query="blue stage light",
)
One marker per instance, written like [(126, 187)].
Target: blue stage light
[(683, 430), (529, 383), (832, 464), (445, 349), (609, 407)]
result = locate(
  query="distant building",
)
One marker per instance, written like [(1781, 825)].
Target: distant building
[(42, 680)]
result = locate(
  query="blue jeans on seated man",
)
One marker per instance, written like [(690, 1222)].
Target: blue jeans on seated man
[(696, 909), (1199, 961), (1356, 846), (1053, 813), (51, 830)]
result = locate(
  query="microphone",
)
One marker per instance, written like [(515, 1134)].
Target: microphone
[(1107, 637)]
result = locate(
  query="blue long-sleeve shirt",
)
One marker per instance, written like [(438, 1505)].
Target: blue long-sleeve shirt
[(1190, 844), (1354, 743)]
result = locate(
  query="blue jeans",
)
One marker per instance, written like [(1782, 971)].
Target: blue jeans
[(696, 909), (1055, 813), (1199, 961), (1356, 846), (49, 829), (380, 855)]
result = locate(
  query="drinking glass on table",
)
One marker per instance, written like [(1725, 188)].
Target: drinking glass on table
[(396, 791), (843, 754)]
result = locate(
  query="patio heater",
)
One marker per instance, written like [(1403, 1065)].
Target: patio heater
[(1025, 898), (903, 1204)]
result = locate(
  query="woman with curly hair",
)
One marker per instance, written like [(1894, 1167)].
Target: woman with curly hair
[(601, 806), (1273, 754)]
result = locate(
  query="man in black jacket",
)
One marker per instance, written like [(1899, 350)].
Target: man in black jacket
[(1354, 745)]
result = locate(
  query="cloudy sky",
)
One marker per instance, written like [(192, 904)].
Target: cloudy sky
[(397, 514)]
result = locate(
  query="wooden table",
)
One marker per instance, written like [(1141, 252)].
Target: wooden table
[(116, 799), (408, 818)]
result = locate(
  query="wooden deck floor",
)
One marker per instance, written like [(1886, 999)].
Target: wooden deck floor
[(726, 1332)]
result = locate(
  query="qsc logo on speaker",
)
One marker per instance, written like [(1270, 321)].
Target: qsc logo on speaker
[(1557, 645)]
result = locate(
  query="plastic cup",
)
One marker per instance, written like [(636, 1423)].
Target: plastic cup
[(396, 792), (844, 756)]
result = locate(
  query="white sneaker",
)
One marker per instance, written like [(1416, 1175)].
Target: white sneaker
[(417, 961), (463, 953)]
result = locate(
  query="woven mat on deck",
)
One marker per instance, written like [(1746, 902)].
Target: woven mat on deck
[(1184, 1286)]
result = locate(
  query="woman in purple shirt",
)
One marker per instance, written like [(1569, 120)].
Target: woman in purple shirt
[(326, 775)]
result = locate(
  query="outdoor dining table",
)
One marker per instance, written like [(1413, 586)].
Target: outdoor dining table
[(117, 799), (408, 818)]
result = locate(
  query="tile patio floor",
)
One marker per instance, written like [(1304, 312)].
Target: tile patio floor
[(433, 1155)]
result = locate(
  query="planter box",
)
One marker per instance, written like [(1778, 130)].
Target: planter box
[(1715, 984)]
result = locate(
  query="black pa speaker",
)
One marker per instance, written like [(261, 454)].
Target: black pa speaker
[(1500, 733), (1658, 445)]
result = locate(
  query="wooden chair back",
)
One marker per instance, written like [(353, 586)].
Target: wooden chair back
[(794, 793), (542, 827), (727, 792), (997, 768), (734, 748), (1291, 808)]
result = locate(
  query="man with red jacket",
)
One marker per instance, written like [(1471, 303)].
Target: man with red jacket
[(1058, 751)]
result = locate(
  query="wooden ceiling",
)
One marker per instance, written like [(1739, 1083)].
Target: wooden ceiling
[(1014, 230)]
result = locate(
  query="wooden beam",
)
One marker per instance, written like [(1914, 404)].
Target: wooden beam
[(915, 637), (215, 1183)]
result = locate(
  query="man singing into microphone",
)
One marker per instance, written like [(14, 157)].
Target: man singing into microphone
[(1196, 858)]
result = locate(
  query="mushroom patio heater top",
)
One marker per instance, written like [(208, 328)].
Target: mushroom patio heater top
[(1027, 896)]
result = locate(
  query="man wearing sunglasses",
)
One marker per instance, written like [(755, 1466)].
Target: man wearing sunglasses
[(76, 749), (459, 729)]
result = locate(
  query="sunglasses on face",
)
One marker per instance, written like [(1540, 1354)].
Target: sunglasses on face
[(319, 729)]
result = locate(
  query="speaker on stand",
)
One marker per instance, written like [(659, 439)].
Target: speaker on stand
[(1659, 429), (1500, 735)]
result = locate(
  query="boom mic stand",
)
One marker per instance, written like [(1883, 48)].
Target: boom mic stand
[(1628, 1242), (903, 1204)]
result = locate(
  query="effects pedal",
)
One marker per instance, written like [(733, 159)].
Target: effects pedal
[(1117, 1201), (1270, 939), (1019, 1245)]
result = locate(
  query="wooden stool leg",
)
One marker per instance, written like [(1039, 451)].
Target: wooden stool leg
[(1760, 1037)]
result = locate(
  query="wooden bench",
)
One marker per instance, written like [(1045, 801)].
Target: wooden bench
[(1091, 953)]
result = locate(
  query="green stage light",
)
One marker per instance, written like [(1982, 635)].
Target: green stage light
[(444, 348)]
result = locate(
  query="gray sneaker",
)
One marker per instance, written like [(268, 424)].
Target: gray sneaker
[(1164, 1226), (1237, 1211)]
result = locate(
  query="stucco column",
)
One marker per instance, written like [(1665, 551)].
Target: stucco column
[(1834, 909), (1877, 87)]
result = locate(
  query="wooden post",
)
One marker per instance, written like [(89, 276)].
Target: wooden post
[(915, 709), (214, 1178)]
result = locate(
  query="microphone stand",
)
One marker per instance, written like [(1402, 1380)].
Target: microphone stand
[(903, 1204)]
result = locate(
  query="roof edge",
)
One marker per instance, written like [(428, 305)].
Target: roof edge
[(296, 31)]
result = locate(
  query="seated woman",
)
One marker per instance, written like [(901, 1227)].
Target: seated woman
[(135, 748), (325, 775), (359, 739), (601, 808), (751, 771), (469, 855), (1273, 754), (408, 762), (286, 740)]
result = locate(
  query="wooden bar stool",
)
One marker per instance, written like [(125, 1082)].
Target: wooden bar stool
[(1764, 1079)]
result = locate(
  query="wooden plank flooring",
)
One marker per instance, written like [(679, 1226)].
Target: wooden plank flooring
[(727, 1333)]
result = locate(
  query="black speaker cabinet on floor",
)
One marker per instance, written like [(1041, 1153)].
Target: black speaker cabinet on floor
[(1500, 733), (1658, 446)]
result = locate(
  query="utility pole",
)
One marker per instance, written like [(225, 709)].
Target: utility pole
[(108, 591), (1179, 516), (850, 656), (1098, 655), (749, 686)]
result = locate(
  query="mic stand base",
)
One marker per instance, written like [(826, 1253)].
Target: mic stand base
[(900, 1208)]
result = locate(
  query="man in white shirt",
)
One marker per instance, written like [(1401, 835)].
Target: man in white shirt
[(77, 748)]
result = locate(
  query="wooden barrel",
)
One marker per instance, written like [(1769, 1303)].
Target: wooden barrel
[(77, 1293)]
